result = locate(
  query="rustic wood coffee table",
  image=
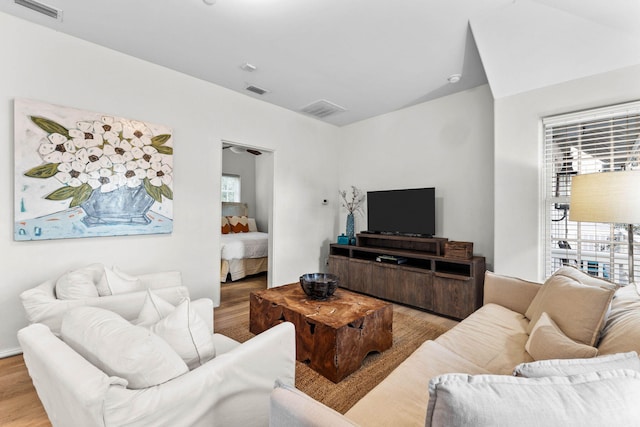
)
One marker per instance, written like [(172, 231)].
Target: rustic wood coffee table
[(332, 336)]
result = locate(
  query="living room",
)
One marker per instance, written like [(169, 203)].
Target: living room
[(482, 153)]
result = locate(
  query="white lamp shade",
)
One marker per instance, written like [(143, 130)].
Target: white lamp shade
[(612, 197)]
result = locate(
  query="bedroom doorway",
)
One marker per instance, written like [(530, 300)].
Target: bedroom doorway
[(247, 205)]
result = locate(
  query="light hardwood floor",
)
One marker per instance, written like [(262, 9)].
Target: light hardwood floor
[(19, 403)]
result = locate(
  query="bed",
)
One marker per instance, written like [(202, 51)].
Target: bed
[(242, 253)]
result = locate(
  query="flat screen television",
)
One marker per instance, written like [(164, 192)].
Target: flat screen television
[(410, 212)]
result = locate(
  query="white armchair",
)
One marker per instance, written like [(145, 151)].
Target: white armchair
[(43, 305), (230, 390)]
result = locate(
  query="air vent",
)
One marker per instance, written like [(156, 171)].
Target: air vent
[(322, 108), (256, 89), (44, 9)]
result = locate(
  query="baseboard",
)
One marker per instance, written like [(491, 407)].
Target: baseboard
[(10, 352)]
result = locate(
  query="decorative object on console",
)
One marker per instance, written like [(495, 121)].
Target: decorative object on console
[(343, 239), (612, 197), (462, 250), (98, 175), (319, 286), (352, 204)]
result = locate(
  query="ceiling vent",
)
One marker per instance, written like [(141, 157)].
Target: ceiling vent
[(44, 9), (256, 89), (322, 108)]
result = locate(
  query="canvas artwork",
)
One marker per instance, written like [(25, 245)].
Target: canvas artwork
[(85, 174)]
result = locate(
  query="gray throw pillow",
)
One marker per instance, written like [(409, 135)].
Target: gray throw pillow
[(565, 367), (608, 398)]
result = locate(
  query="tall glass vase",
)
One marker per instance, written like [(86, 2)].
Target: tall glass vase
[(351, 229)]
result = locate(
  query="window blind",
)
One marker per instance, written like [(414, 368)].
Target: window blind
[(600, 140)]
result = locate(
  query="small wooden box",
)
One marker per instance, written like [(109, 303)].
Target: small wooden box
[(460, 250)]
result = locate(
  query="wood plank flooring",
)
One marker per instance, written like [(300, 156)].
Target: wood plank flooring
[(19, 403)]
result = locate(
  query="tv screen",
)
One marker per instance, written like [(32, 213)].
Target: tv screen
[(407, 212)]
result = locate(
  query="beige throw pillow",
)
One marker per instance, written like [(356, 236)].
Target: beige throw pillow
[(547, 341), (577, 306)]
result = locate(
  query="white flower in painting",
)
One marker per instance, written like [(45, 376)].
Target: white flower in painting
[(84, 136), (72, 174), (57, 149), (159, 173), (109, 129), (145, 156), (103, 179), (119, 152), (93, 158), (137, 133), (131, 174)]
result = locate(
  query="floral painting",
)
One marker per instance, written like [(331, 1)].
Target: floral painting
[(85, 174)]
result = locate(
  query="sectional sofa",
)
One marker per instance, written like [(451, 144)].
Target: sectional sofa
[(584, 329)]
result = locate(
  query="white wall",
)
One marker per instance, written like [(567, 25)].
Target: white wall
[(447, 144), (518, 160), (243, 165), (45, 65)]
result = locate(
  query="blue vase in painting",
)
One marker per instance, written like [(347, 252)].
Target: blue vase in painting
[(119, 207)]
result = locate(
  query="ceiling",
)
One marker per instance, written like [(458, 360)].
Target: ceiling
[(368, 56)]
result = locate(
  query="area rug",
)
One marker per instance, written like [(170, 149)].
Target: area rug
[(408, 333)]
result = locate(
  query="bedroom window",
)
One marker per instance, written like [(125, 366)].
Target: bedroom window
[(230, 188), (600, 140)]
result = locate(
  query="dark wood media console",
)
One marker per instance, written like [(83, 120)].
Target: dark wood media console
[(428, 280)]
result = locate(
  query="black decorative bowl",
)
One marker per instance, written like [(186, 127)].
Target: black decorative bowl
[(319, 286)]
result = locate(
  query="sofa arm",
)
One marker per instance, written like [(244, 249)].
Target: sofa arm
[(292, 408), (230, 390), (70, 388), (510, 292)]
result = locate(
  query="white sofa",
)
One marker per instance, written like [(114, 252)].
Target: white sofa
[(231, 389), (43, 305), (492, 343)]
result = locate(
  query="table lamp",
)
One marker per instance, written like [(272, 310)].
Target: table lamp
[(612, 197)]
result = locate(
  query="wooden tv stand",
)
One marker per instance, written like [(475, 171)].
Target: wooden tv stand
[(428, 280)]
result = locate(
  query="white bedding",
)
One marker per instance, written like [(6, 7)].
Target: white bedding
[(244, 245)]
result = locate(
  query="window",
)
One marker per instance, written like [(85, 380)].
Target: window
[(601, 140), (230, 188)]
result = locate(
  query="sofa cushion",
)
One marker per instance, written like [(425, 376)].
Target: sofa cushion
[(622, 329), (76, 284), (116, 281), (576, 301), (119, 348), (492, 337), (547, 341), (594, 399), (566, 367), (187, 334), (291, 407), (402, 398)]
